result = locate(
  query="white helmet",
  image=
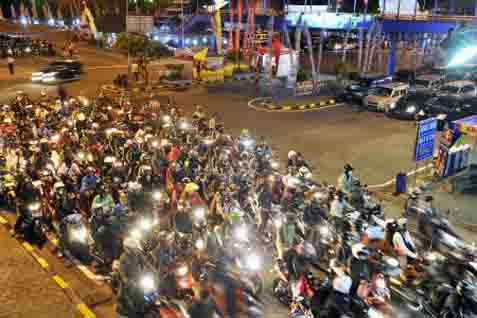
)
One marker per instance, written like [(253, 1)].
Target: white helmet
[(291, 154), (402, 222), (58, 185), (304, 170)]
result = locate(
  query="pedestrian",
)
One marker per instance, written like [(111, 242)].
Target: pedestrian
[(62, 93), (11, 64), (135, 71)]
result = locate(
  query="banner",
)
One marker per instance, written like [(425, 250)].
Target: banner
[(218, 31), (425, 137)]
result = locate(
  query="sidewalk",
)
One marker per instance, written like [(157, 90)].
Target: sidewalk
[(26, 290)]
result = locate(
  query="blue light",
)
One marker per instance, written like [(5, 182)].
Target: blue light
[(156, 38), (51, 21), (225, 41), (23, 20), (195, 42), (187, 41), (204, 39)]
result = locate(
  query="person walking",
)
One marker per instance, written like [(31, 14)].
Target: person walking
[(11, 64)]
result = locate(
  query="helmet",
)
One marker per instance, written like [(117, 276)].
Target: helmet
[(191, 187), (402, 222), (58, 185), (360, 251), (291, 154), (348, 167), (303, 170), (466, 288)]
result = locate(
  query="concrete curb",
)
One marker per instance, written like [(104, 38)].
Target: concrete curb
[(114, 90), (264, 104), (80, 306)]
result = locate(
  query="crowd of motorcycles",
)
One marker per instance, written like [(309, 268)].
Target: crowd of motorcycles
[(25, 47), (164, 207)]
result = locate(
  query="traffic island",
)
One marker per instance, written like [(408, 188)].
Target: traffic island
[(297, 104)]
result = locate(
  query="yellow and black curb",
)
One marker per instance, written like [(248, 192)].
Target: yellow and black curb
[(265, 104), (80, 306)]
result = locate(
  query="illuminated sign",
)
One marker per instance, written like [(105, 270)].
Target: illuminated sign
[(329, 20)]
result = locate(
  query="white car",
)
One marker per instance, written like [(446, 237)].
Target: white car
[(384, 97), (458, 88)]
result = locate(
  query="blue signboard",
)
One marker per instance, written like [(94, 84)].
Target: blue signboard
[(426, 134)]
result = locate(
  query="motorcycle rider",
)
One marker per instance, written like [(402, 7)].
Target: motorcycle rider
[(359, 265), (132, 264), (287, 235), (62, 207), (460, 302), (205, 306), (337, 209), (345, 180), (403, 245), (265, 198), (337, 302)]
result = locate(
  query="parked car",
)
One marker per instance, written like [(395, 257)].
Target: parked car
[(408, 106), (449, 108), (459, 88), (384, 96), (354, 93), (337, 43), (59, 72), (429, 81)]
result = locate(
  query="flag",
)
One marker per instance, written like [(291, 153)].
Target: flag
[(201, 55), (218, 31)]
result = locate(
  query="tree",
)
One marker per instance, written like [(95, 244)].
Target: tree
[(142, 50)]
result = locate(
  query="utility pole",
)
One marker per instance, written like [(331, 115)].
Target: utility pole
[(182, 23), (127, 33)]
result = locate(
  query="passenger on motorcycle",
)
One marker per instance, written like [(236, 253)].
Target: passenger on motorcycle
[(403, 245), (337, 209), (337, 302), (345, 180), (287, 235), (359, 265)]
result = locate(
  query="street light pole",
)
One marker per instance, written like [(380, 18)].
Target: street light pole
[(127, 33), (182, 23)]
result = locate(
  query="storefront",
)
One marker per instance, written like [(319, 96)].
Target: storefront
[(457, 149)]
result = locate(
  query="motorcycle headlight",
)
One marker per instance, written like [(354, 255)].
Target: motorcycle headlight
[(247, 142), (277, 222), (184, 126), (274, 164), (200, 244), (80, 234), (147, 283), (199, 214), (109, 159), (253, 262), (324, 230), (241, 233), (166, 118), (392, 106), (155, 144), (431, 257), (55, 138), (411, 109), (34, 206), (182, 271), (145, 224), (157, 195), (136, 234)]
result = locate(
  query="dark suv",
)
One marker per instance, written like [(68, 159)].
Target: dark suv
[(354, 93)]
